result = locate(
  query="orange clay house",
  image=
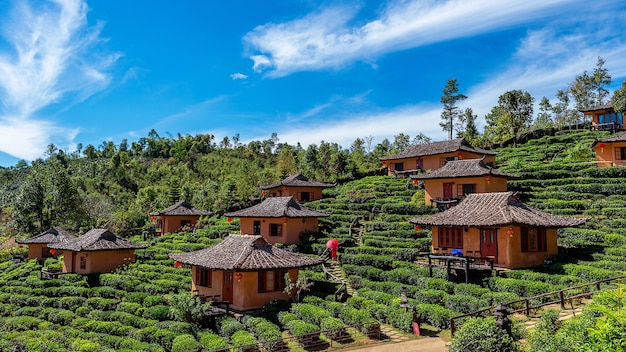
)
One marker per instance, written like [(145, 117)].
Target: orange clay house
[(603, 117), (244, 270), (38, 244), (431, 156), (178, 216), (278, 220), (297, 186), (448, 185), (497, 226), (97, 251), (610, 151)]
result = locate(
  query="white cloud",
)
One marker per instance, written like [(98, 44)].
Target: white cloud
[(329, 39), (236, 76), (545, 61), (52, 58)]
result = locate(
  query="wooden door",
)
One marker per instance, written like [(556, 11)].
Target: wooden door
[(419, 164), (447, 189), (489, 243), (227, 287)]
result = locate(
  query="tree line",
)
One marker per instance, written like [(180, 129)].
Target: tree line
[(514, 113)]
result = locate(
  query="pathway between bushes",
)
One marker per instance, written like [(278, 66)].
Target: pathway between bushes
[(398, 342)]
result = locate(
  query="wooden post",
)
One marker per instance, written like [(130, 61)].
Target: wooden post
[(448, 269), (466, 270), (561, 298), (430, 266), (527, 302)]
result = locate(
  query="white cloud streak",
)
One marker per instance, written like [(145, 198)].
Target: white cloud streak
[(52, 59), (329, 39), (238, 75)]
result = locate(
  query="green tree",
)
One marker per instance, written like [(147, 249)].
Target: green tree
[(400, 142), (544, 117), (589, 90), (619, 98), (450, 111), (516, 110), (469, 130), (187, 308), (421, 138)]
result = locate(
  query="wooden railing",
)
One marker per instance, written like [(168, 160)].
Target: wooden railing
[(525, 305)]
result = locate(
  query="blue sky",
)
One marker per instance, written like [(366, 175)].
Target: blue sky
[(92, 71)]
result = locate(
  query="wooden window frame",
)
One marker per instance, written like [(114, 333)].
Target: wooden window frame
[(204, 277), (450, 237), (533, 239), (276, 230), (82, 263), (271, 280), (460, 189), (256, 227)]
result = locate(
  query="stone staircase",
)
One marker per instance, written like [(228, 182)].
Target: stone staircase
[(333, 271)]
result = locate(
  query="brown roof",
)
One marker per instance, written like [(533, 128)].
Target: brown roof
[(53, 235), (441, 147), (495, 209), (277, 207), (299, 180), (245, 252), (97, 240), (620, 137), (463, 168), (182, 208), (606, 106)]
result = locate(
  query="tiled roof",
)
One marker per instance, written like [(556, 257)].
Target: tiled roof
[(463, 168), (495, 209), (97, 240), (299, 180), (53, 235), (182, 208), (441, 147), (620, 137), (245, 252), (605, 106), (277, 207)]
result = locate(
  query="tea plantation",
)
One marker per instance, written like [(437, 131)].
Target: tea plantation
[(140, 306)]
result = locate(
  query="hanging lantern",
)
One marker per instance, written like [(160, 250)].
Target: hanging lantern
[(418, 228), (384, 162), (153, 218), (238, 277), (229, 219), (53, 251), (284, 220), (488, 178), (178, 264), (263, 193), (21, 246), (415, 182), (602, 145), (510, 231), (459, 154)]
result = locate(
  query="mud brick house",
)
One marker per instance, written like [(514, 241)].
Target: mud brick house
[(297, 186), (431, 156), (178, 216), (497, 226), (455, 180), (278, 220), (97, 251), (244, 270), (38, 244), (603, 117), (610, 151)]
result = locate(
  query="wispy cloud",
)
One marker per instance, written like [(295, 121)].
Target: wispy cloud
[(546, 59), (53, 57), (328, 38), (236, 76)]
